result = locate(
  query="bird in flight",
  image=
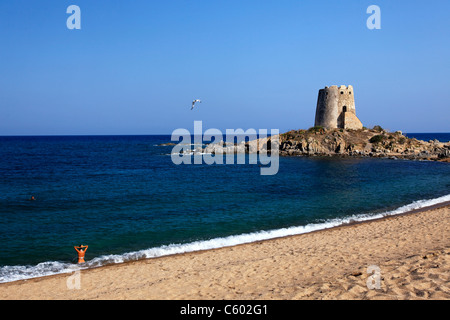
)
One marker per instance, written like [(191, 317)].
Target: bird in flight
[(194, 102)]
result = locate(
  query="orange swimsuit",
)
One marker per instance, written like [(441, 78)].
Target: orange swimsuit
[(81, 253), (81, 256)]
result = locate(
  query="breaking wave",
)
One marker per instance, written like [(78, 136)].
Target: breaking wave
[(14, 273)]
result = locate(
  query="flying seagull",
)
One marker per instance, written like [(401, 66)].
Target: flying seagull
[(194, 102)]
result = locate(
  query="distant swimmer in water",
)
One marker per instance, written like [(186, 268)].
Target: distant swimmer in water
[(32, 198), (81, 252)]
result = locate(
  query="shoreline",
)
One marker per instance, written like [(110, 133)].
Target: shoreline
[(375, 217), (233, 255)]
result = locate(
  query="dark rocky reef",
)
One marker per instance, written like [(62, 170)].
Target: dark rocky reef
[(318, 141), (364, 142)]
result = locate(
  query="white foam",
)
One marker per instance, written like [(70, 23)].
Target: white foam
[(14, 273)]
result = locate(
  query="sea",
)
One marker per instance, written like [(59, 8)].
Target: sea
[(125, 198)]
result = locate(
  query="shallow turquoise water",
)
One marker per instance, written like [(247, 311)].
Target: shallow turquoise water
[(122, 194)]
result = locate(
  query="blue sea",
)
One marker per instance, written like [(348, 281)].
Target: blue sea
[(123, 196)]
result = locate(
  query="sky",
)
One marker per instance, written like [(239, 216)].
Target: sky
[(134, 67)]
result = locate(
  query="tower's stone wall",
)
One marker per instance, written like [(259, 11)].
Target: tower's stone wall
[(336, 108)]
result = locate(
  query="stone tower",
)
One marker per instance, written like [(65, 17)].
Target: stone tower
[(336, 108)]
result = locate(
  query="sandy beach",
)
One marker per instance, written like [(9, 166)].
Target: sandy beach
[(400, 257)]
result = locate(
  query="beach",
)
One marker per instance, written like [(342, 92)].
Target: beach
[(405, 256)]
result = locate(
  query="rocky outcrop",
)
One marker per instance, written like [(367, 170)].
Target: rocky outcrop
[(365, 142), (263, 145), (318, 141), (166, 144)]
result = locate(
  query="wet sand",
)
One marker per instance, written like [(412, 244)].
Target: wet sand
[(400, 257)]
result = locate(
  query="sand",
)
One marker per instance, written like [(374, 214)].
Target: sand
[(408, 257)]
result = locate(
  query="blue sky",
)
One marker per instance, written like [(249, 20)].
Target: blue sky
[(135, 66)]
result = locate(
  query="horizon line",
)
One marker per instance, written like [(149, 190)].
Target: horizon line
[(132, 134)]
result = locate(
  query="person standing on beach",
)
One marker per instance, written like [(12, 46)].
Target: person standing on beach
[(81, 252)]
